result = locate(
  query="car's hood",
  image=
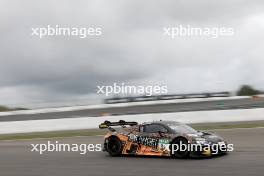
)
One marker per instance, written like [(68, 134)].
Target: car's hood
[(206, 135)]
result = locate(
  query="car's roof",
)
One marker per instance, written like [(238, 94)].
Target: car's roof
[(163, 122)]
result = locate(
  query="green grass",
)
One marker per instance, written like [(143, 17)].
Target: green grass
[(93, 132), (54, 134), (230, 125)]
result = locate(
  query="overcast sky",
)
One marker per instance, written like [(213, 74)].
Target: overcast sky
[(132, 48)]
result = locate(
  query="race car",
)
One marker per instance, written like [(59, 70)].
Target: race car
[(160, 138)]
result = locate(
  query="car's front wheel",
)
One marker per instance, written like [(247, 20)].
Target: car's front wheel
[(180, 150), (114, 146)]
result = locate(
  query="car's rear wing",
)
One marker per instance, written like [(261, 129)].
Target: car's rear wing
[(121, 123)]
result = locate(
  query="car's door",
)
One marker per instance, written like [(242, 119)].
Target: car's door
[(157, 133)]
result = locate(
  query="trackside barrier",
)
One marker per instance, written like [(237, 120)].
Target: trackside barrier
[(93, 122)]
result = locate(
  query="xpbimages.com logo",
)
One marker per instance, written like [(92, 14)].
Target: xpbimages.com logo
[(214, 148), (62, 147), (131, 89), (81, 32), (187, 31)]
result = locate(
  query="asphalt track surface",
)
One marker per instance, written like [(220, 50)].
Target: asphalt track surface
[(245, 103), (16, 159)]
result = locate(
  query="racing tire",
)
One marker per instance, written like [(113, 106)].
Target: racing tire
[(180, 153), (114, 146)]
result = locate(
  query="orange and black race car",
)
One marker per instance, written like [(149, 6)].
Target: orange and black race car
[(161, 138)]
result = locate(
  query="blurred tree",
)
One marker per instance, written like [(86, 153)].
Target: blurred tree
[(247, 90), (4, 108)]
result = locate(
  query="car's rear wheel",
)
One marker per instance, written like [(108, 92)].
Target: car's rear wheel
[(180, 152), (114, 146)]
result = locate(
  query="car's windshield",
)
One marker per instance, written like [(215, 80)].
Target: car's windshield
[(182, 128)]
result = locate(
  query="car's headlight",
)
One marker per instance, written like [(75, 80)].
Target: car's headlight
[(201, 141)]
